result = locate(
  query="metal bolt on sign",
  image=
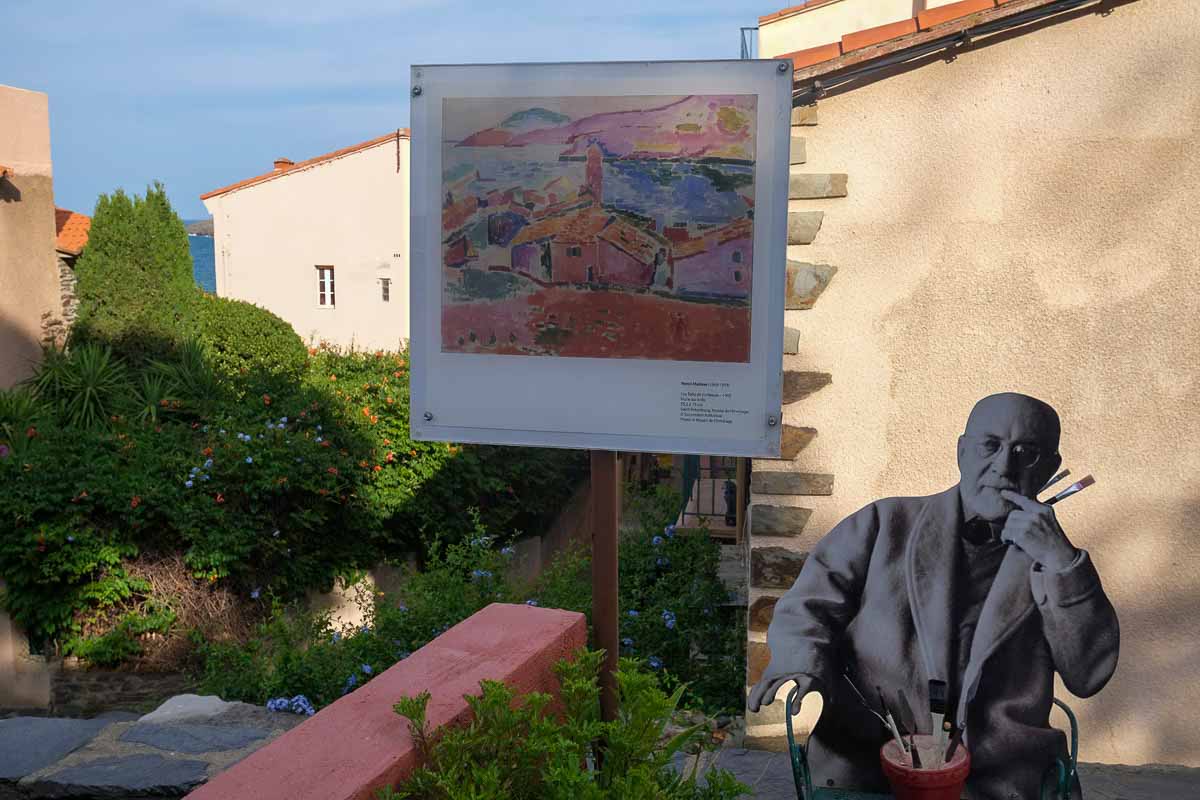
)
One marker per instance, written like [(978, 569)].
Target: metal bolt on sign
[(771, 421), (429, 416), (416, 91)]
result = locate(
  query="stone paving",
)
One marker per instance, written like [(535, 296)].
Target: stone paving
[(163, 754), (770, 775)]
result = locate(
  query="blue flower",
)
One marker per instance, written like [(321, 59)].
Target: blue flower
[(632, 612), (208, 462), (402, 654), (627, 642), (481, 573), (654, 662), (533, 602), (278, 704), (254, 594), (249, 460), (203, 477), (663, 561), (337, 637), (283, 420), (299, 460), (222, 431), (351, 682), (507, 551), (365, 629), (204, 429), (402, 607), (70, 538), (670, 623), (300, 705), (319, 439), (669, 531), (656, 541), (194, 470), (366, 668), (275, 534), (188, 484), (318, 427)]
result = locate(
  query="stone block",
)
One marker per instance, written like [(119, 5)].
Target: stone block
[(761, 613), (802, 483), (798, 384), (791, 341), (774, 567), (778, 520), (816, 185), (758, 655), (795, 439), (797, 153), (805, 283), (772, 742), (803, 226), (188, 706), (192, 738), (118, 777), (804, 115)]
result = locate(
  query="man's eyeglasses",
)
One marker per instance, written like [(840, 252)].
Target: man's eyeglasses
[(1025, 454)]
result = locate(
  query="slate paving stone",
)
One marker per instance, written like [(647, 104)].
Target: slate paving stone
[(145, 775), (193, 738), (28, 744)]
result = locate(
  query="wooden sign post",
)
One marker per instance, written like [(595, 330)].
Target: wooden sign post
[(605, 606)]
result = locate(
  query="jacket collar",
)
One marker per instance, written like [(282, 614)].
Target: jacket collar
[(930, 559)]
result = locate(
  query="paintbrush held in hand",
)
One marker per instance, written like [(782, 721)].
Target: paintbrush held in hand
[(1074, 488)]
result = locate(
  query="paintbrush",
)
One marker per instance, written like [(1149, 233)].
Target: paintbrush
[(1074, 488), (864, 702), (937, 712), (1054, 480), (916, 757), (891, 722), (955, 741)]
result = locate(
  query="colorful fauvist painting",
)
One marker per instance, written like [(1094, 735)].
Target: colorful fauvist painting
[(602, 227)]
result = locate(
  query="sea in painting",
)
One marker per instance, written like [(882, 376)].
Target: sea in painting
[(602, 227)]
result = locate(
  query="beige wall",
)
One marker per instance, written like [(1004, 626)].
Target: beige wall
[(828, 23), (351, 212), (28, 271), (1025, 218)]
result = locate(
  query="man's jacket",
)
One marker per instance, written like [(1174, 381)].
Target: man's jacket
[(874, 599)]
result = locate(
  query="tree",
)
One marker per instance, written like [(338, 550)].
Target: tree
[(135, 286)]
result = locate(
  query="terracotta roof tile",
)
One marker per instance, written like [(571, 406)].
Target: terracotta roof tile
[(814, 55), (579, 227), (403, 133), (640, 244), (936, 16), (881, 33), (738, 229), (71, 230)]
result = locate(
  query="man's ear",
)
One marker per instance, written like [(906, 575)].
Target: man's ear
[(961, 449)]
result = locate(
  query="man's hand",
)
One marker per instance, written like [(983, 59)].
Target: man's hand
[(1033, 527), (764, 691)]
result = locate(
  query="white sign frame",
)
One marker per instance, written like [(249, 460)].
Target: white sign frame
[(619, 404)]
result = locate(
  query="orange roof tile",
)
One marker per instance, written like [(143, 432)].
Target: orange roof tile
[(579, 227), (71, 230), (881, 33), (936, 16), (814, 55), (403, 133), (737, 229), (639, 243)]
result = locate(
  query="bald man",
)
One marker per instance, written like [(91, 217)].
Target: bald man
[(977, 586)]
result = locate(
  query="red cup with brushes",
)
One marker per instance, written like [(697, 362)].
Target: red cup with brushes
[(926, 782)]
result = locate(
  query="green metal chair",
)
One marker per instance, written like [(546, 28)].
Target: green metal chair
[(1059, 789)]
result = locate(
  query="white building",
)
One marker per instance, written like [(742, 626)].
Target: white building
[(323, 243)]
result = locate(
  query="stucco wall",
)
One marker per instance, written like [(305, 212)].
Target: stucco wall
[(350, 212), (28, 273), (1024, 218)]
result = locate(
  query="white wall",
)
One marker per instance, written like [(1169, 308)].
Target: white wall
[(350, 212), (829, 23)]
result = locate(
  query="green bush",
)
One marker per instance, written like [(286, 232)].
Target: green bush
[(515, 747), (136, 290), (254, 350)]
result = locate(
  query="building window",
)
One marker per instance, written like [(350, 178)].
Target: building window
[(385, 289), (737, 257), (325, 294), (737, 276), (575, 252)]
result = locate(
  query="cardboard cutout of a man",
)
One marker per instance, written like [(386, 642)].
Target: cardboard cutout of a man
[(977, 586)]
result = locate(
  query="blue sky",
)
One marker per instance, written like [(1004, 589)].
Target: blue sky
[(202, 93)]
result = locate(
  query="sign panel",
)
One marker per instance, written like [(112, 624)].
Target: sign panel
[(598, 255)]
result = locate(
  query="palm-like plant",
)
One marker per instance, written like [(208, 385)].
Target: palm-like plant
[(86, 384), (20, 414)]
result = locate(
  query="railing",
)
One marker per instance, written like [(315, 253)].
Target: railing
[(714, 495), (749, 42)]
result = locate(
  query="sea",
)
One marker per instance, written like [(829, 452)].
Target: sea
[(204, 262)]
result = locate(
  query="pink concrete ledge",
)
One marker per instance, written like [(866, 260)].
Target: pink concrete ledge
[(358, 745)]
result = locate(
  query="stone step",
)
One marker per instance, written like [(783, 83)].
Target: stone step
[(816, 185), (762, 612), (791, 341), (797, 154), (794, 483), (758, 655), (794, 439), (798, 384), (804, 115), (775, 567), (805, 283), (803, 226), (767, 520)]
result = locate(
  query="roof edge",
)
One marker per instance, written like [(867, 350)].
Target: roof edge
[(400, 133)]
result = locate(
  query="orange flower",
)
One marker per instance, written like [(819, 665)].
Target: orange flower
[(390, 401), (363, 464), (366, 386), (83, 493), (333, 377), (266, 399), (326, 444), (220, 498), (374, 419), (135, 502), (390, 457), (281, 481), (163, 403), (366, 411), (322, 491), (378, 468), (30, 432), (158, 428), (212, 578), (206, 451), (332, 471), (387, 441), (312, 351)]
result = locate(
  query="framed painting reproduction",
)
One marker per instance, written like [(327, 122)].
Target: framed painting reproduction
[(598, 254)]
